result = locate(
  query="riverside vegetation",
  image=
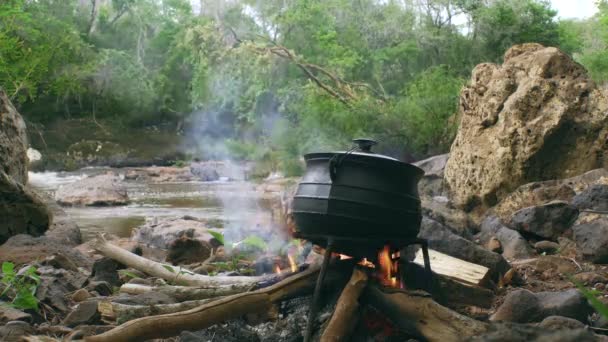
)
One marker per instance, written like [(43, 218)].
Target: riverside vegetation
[(256, 80)]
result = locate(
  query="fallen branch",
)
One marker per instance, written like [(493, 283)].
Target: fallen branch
[(417, 313), (173, 274), (183, 293), (220, 310), (121, 313), (344, 318)]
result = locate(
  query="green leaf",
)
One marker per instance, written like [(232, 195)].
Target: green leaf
[(8, 268), (25, 299), (600, 307), (129, 274), (169, 268), (218, 236)]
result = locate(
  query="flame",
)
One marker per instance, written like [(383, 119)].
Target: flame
[(277, 269), (366, 263), (292, 264), (344, 257), (388, 269)]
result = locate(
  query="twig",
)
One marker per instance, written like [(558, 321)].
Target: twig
[(576, 263)]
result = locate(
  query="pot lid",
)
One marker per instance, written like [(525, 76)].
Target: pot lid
[(363, 147)]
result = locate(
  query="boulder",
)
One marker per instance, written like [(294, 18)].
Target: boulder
[(594, 197), (25, 249), (438, 208), (431, 183), (13, 141), (106, 269), (591, 236), (160, 233), (549, 221), (538, 116), (101, 190), (22, 211), (205, 171), (512, 332), (443, 240), (523, 306), (514, 246), (185, 250)]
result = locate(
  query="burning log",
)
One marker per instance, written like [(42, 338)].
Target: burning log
[(417, 313), (344, 318), (183, 293), (222, 309), (170, 273)]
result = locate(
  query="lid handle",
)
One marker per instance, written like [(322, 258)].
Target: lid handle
[(364, 144)]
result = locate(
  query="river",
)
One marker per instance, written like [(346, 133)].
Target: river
[(226, 201)]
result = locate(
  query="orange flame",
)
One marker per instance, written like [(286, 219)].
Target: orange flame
[(292, 264), (366, 263), (388, 272), (277, 269)]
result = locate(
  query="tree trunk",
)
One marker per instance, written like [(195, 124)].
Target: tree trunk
[(94, 16)]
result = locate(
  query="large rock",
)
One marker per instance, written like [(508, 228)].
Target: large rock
[(13, 141), (548, 221), (512, 332), (101, 190), (536, 117), (438, 208), (431, 183), (593, 198), (514, 246), (161, 233), (523, 306), (591, 236), (21, 210), (440, 238), (24, 249)]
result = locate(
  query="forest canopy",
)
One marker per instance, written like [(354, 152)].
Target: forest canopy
[(275, 78)]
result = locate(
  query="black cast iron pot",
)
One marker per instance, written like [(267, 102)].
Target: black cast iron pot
[(360, 200)]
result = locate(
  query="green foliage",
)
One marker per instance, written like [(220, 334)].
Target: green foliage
[(20, 286), (592, 297), (255, 242), (218, 236)]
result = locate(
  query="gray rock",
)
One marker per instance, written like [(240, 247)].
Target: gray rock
[(8, 313), (457, 221), (523, 306), (560, 322), (431, 183), (594, 197), (106, 269), (22, 211), (84, 313), (512, 332), (548, 221), (13, 141), (591, 237), (102, 288), (100, 190), (15, 330), (160, 233), (24, 249), (548, 247), (206, 172), (514, 246), (443, 240)]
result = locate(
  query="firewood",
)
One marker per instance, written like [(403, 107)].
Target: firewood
[(344, 318), (121, 313), (457, 269), (417, 313), (170, 273), (222, 309), (183, 293)]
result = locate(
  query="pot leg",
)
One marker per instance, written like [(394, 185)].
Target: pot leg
[(315, 297)]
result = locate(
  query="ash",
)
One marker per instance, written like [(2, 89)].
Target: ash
[(289, 327)]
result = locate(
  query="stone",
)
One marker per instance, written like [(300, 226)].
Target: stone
[(13, 141), (590, 278), (494, 245), (549, 221), (512, 332), (443, 240), (22, 210), (548, 247), (560, 322), (62, 228), (523, 306), (106, 269), (514, 246), (14, 331), (438, 208), (185, 250), (84, 313), (205, 171), (103, 288), (538, 116), (554, 264), (594, 197), (25, 249), (431, 184), (100, 190), (160, 233), (80, 295), (591, 236), (8, 313), (56, 285)]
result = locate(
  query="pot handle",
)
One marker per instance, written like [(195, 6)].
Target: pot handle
[(362, 144)]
